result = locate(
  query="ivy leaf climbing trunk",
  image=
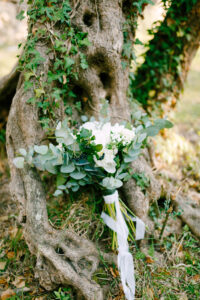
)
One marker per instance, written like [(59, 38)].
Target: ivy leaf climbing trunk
[(160, 79)]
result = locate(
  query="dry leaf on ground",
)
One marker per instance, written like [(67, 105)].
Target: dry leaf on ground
[(19, 282), (10, 254), (7, 294), (2, 265)]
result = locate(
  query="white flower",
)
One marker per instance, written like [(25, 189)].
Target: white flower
[(90, 126), (107, 135), (107, 163), (101, 132), (120, 134)]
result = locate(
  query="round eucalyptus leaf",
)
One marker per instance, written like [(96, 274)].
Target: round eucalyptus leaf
[(77, 175), (41, 149), (67, 168), (58, 193), (19, 162), (111, 183), (50, 168)]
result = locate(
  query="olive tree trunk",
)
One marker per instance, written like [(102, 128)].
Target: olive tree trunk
[(104, 78)]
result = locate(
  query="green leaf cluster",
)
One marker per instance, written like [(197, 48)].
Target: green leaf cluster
[(161, 69)]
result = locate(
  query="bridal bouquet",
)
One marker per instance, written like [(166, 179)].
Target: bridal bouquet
[(97, 153)]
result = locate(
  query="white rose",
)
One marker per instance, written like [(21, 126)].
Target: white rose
[(101, 132), (90, 126), (107, 163)]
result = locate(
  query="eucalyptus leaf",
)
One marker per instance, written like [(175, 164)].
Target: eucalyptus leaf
[(61, 187), (141, 137), (19, 162), (137, 115), (38, 163), (163, 123), (58, 160), (122, 175), (41, 149), (77, 175), (55, 151), (82, 162), (75, 188), (90, 168), (134, 151), (138, 129), (58, 193), (67, 168), (63, 134), (111, 183), (50, 168), (130, 158), (152, 130), (84, 118)]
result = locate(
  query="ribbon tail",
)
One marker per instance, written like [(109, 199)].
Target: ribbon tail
[(140, 228), (109, 221), (125, 259), (126, 269)]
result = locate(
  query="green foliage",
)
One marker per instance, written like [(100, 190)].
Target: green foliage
[(141, 180), (2, 136), (129, 28), (20, 16), (63, 294), (62, 46), (161, 69)]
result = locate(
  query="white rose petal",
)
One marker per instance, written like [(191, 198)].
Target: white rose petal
[(107, 163)]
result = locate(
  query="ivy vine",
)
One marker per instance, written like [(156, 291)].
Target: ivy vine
[(45, 16), (161, 69)]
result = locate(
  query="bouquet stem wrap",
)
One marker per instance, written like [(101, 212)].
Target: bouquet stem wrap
[(125, 260)]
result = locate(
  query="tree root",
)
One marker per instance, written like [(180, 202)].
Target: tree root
[(65, 258), (62, 256)]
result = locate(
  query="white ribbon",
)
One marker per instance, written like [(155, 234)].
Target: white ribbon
[(125, 260)]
